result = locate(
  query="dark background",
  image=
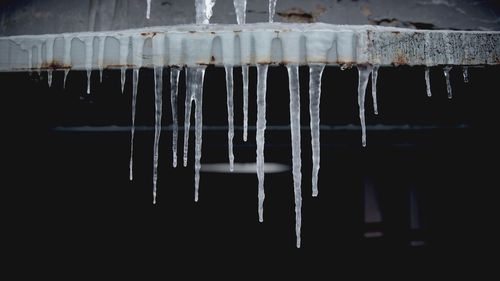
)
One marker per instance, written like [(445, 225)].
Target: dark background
[(73, 189)]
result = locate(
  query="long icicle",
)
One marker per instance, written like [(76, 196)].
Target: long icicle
[(190, 81), (374, 88), (244, 71), (293, 80), (315, 74), (89, 73), (428, 82), (261, 128), (364, 73), (135, 83), (174, 90), (230, 115), (446, 71), (158, 72), (272, 10), (200, 74)]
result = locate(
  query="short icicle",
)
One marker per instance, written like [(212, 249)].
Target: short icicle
[(49, 77), (100, 56), (261, 128), (446, 72), (244, 71), (135, 83), (364, 73), (174, 90), (198, 101), (158, 73), (148, 9), (293, 80), (89, 73), (374, 88), (272, 10), (428, 82), (66, 71), (204, 11), (315, 74), (230, 115), (465, 73), (240, 6), (123, 72)]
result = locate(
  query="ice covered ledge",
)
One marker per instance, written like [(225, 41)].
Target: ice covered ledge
[(266, 43)]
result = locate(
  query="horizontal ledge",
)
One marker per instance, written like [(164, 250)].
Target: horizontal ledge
[(249, 44)]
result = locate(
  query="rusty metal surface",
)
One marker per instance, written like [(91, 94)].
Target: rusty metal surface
[(249, 44)]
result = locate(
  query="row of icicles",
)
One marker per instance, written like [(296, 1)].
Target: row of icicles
[(194, 93)]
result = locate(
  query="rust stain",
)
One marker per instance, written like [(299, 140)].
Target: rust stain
[(400, 59), (149, 34), (212, 59), (295, 14), (120, 65), (54, 65)]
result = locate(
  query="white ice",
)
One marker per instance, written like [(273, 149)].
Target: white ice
[(148, 9), (240, 6), (261, 128), (244, 71), (272, 9), (315, 74), (446, 72), (294, 87), (364, 73), (204, 11), (198, 100), (374, 88), (158, 73), (428, 82), (135, 83), (174, 89), (230, 114), (465, 73)]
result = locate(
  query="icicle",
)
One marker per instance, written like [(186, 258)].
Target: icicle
[(465, 73), (49, 77), (100, 57), (272, 9), (89, 72), (293, 80), (261, 128), (88, 58), (315, 74), (174, 84), (204, 11), (374, 88), (30, 59), (364, 73), (135, 83), (190, 83), (240, 6), (428, 82), (158, 72), (198, 100), (446, 71), (123, 70), (66, 71), (244, 71), (230, 114), (148, 10)]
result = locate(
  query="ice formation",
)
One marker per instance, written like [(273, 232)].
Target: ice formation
[(178, 48)]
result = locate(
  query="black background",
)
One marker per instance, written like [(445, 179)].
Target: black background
[(73, 192)]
